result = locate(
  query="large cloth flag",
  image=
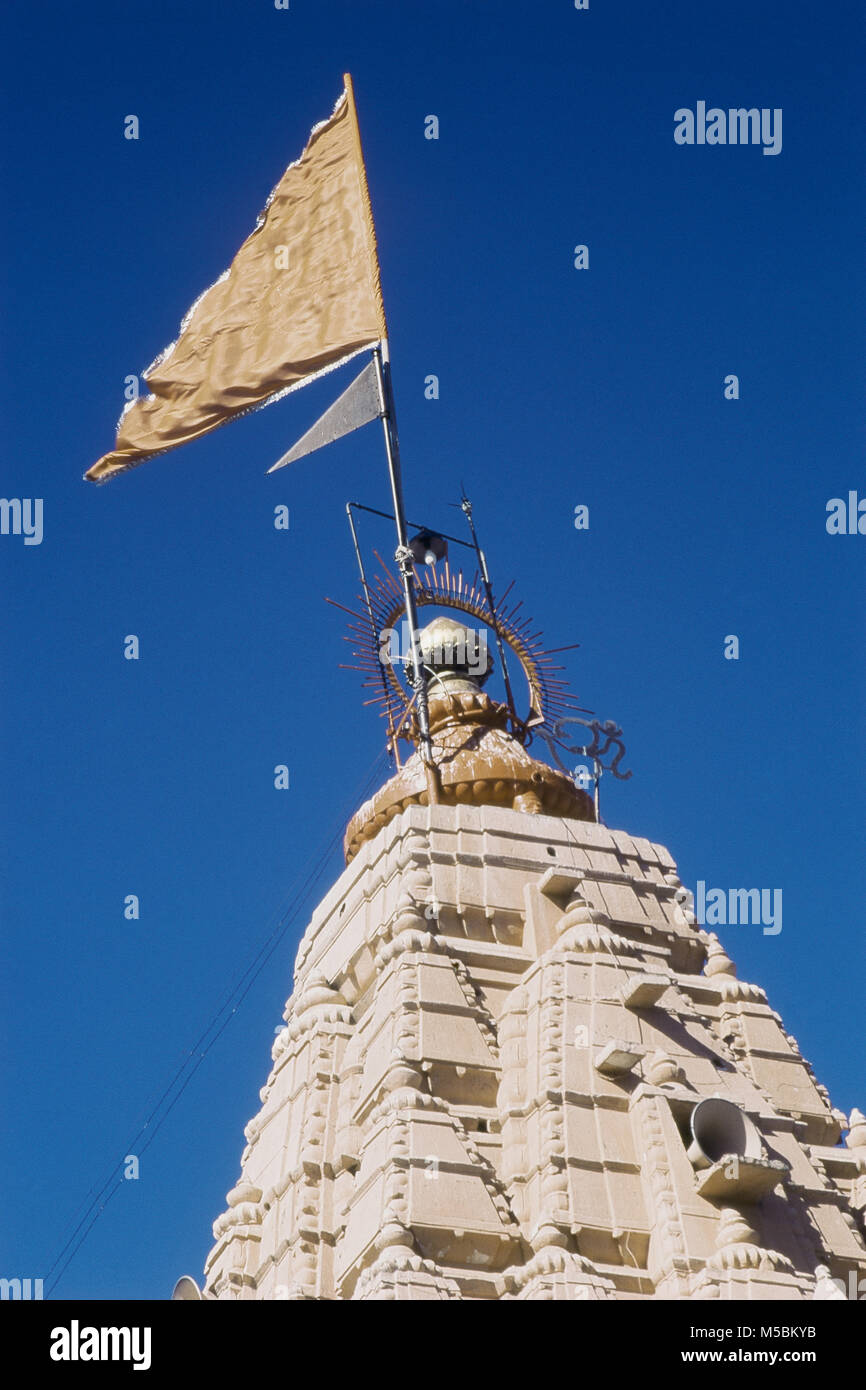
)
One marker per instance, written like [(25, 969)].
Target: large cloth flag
[(301, 296)]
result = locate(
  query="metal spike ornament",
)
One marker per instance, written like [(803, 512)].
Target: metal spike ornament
[(371, 632)]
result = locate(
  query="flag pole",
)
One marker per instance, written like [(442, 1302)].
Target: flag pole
[(406, 564), (389, 424)]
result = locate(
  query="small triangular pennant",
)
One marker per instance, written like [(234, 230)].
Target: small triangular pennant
[(358, 405)]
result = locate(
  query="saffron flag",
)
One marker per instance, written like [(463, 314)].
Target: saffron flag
[(301, 296)]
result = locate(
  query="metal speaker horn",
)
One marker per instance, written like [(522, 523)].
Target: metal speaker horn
[(186, 1289), (428, 547), (720, 1128)]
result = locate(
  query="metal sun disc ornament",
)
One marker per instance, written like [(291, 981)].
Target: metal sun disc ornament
[(372, 633)]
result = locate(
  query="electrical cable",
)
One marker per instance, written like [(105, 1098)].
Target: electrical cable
[(298, 897)]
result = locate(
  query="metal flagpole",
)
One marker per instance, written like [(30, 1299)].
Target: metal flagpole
[(405, 562), (389, 425)]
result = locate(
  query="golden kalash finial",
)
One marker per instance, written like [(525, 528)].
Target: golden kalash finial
[(466, 747), (478, 758)]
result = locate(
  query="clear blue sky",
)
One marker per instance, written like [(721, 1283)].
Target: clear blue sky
[(558, 387)]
